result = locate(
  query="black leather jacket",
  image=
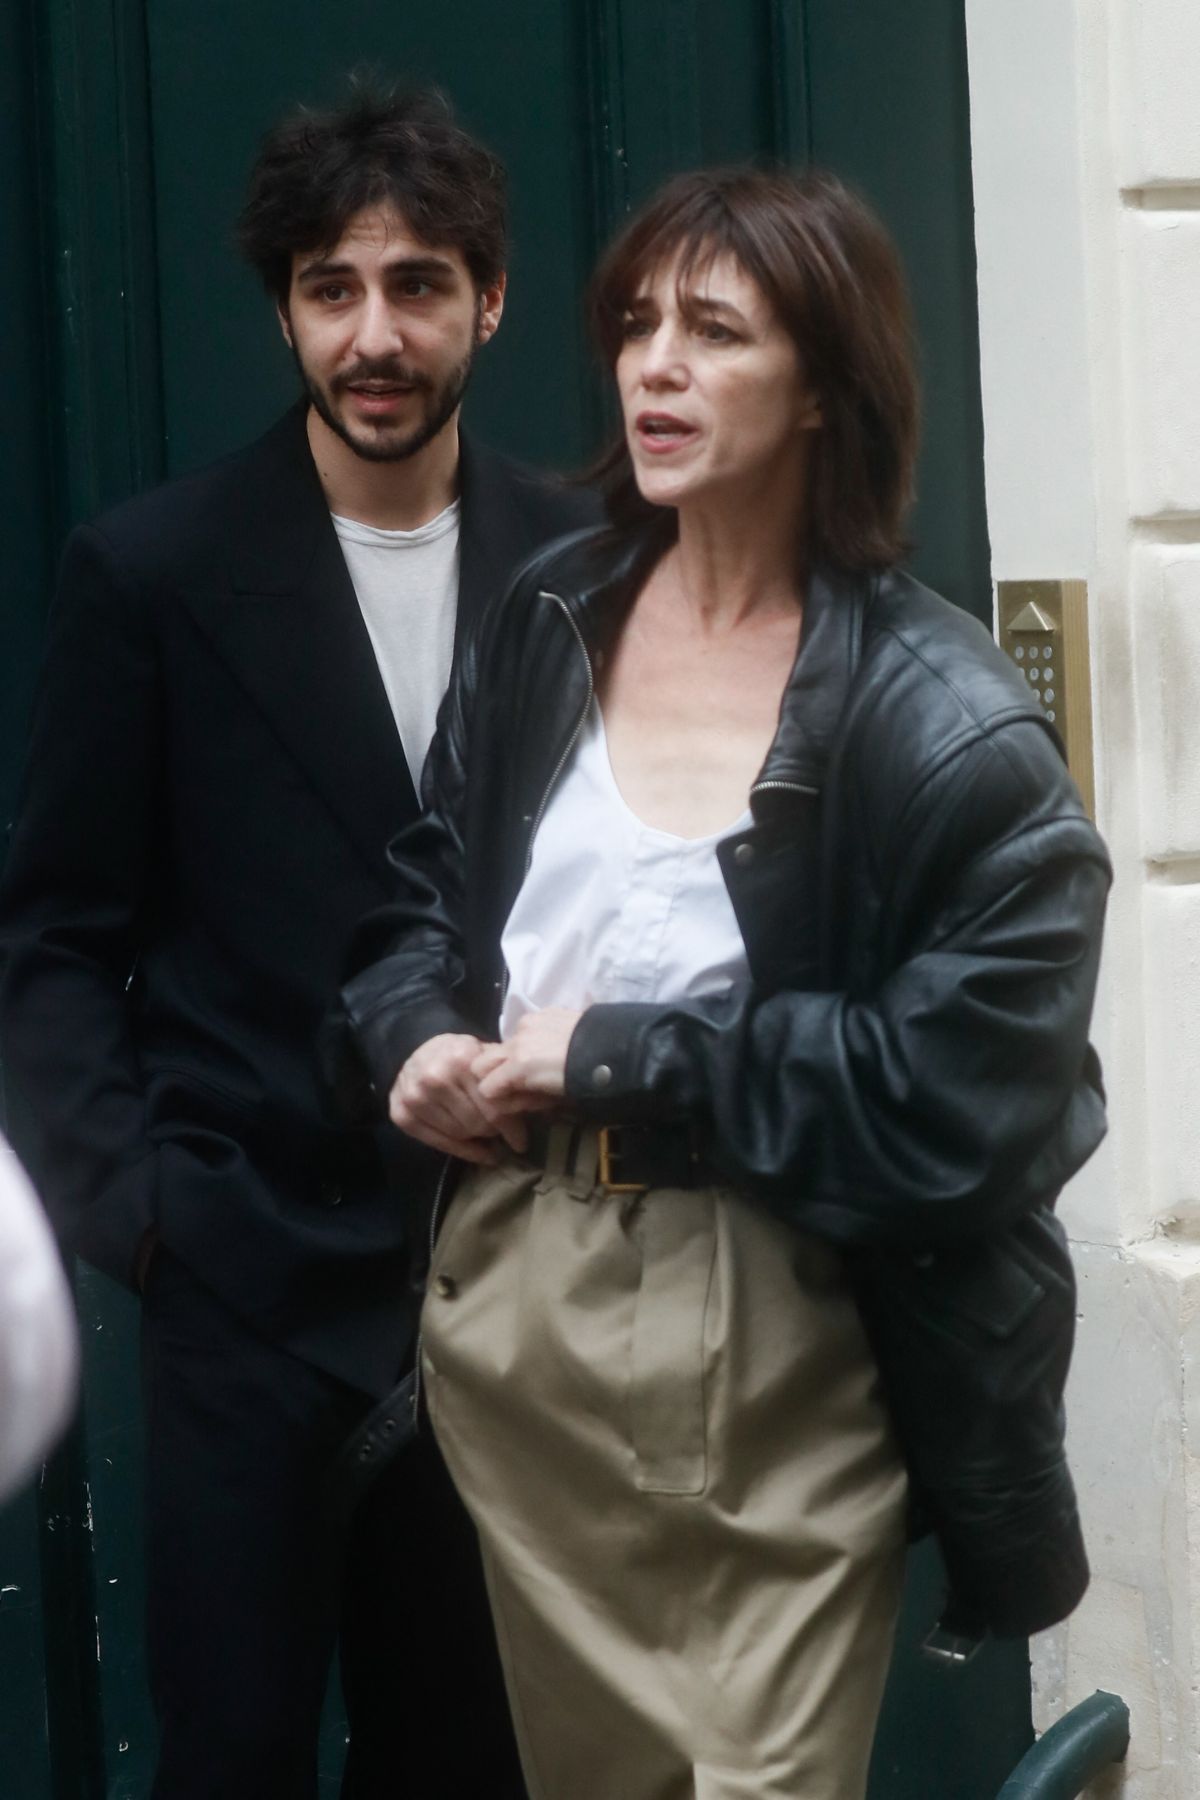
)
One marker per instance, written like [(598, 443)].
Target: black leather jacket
[(906, 1072)]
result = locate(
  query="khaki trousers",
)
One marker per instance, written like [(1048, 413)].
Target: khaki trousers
[(662, 1414)]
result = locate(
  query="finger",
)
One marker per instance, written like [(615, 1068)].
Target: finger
[(506, 1079), (483, 1150), (489, 1058), (515, 1132), (414, 1111), (425, 1113), (450, 1105)]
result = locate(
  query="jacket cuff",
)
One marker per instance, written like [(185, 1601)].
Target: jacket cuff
[(604, 1077), (360, 1057), (388, 1038)]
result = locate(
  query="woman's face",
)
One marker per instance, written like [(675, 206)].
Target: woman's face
[(714, 396)]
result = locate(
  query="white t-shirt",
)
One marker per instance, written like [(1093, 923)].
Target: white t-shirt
[(39, 1351), (407, 588), (613, 909)]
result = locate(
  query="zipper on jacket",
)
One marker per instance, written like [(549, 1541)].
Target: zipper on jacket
[(559, 766), (790, 787), (439, 1194)]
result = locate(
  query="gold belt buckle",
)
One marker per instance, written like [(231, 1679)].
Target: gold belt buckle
[(607, 1156)]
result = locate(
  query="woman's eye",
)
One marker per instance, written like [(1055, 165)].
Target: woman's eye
[(632, 327), (714, 333)]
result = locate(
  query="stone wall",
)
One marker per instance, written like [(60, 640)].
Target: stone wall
[(1086, 147)]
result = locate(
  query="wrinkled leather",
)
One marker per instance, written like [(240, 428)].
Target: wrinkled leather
[(905, 1073)]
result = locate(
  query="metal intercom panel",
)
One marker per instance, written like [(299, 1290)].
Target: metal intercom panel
[(1044, 628)]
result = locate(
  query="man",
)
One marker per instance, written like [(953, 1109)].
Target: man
[(243, 673)]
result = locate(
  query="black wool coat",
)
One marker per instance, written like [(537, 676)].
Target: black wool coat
[(214, 776)]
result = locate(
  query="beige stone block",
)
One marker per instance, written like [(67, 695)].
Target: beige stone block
[(1161, 258), (1167, 698), (1133, 1404), (1157, 55), (1172, 1003)]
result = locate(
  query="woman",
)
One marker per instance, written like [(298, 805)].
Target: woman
[(747, 950)]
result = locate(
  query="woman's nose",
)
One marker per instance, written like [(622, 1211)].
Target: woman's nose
[(664, 363)]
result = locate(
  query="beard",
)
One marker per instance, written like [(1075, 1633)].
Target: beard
[(383, 444)]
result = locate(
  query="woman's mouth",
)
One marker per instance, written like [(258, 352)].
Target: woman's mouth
[(661, 433)]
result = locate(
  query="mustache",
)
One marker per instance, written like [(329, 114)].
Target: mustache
[(382, 369)]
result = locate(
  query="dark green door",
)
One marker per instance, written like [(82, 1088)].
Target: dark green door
[(133, 346)]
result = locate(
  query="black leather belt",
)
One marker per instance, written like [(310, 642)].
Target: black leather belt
[(625, 1159), (389, 1426)]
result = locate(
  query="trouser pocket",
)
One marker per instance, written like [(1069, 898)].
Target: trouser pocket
[(667, 1386)]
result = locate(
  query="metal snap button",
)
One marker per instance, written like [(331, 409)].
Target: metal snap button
[(602, 1076), (743, 856)]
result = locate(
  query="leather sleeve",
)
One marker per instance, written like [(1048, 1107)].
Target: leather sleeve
[(914, 1111), (406, 959), (72, 904)]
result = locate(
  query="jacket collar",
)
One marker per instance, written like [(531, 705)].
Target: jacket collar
[(605, 580), (817, 690), (289, 626), (495, 534)]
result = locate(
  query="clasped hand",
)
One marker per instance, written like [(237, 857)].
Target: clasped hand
[(469, 1098)]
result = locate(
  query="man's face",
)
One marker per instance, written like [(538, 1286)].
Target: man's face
[(384, 328)]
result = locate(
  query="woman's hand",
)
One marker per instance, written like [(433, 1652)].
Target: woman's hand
[(437, 1099), (528, 1072)]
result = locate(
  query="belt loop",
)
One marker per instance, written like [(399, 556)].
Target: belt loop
[(587, 1156), (558, 1149)]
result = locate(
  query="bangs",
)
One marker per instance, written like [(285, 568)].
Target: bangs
[(693, 253), (692, 236)]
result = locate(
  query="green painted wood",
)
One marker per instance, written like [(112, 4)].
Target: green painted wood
[(98, 220), (24, 1730), (27, 525), (791, 114), (36, 1604), (889, 110)]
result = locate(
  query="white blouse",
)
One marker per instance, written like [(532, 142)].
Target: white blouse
[(613, 909)]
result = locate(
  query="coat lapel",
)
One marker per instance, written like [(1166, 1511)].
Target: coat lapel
[(496, 536), (289, 627)]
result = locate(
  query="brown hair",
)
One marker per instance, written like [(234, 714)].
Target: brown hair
[(832, 274), (385, 147)]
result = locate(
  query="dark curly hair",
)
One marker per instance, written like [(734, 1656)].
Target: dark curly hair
[(384, 147), (832, 275)]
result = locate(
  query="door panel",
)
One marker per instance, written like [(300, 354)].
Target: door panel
[(888, 110)]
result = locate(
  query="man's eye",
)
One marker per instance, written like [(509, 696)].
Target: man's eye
[(414, 288), (332, 291)]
